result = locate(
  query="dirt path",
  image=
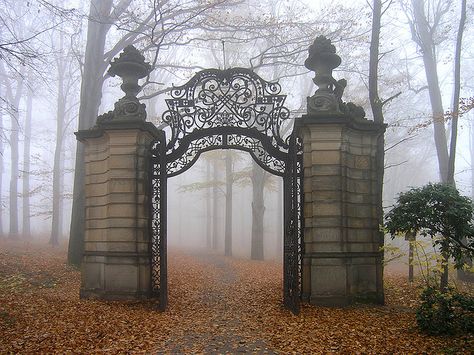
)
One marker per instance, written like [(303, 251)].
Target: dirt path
[(224, 333)]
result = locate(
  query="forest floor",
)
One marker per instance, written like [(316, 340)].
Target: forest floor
[(216, 305)]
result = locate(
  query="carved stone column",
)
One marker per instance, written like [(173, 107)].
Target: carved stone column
[(116, 260), (342, 261)]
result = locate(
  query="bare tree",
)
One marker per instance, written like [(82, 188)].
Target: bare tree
[(13, 93), (229, 182), (425, 30), (208, 207), (22, 25), (456, 94), (258, 178), (461, 274), (215, 205), (26, 228), (67, 76), (91, 93), (429, 30), (22, 51)]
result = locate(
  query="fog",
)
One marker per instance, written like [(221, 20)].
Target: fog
[(190, 224), (271, 37), (87, 264)]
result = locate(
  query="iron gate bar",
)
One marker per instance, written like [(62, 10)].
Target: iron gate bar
[(251, 122), (158, 222), (291, 244), (299, 207)]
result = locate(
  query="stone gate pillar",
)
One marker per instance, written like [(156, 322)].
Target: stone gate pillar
[(116, 260), (342, 261)]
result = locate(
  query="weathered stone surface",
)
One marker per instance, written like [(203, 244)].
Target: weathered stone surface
[(327, 208), (325, 183), (116, 262), (117, 234), (324, 235), (342, 260), (328, 280), (115, 276), (325, 157), (117, 222)]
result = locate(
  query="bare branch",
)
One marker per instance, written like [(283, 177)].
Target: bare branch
[(391, 98)]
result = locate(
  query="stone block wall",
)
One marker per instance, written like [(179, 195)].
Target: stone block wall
[(116, 262), (342, 262)]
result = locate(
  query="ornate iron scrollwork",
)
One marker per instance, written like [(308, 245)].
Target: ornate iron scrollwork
[(228, 103), (229, 109)]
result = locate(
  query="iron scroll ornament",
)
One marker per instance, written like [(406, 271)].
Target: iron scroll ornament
[(228, 109), (232, 108)]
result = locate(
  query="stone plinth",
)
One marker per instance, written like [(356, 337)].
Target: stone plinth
[(116, 261), (342, 261)]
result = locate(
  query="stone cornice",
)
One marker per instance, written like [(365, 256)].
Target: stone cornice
[(337, 118), (99, 130)]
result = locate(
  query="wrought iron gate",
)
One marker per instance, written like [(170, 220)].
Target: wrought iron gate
[(228, 109)]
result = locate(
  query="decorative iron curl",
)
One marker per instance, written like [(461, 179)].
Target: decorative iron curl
[(189, 153), (185, 161), (235, 97)]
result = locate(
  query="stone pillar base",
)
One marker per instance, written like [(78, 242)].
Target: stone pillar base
[(116, 261), (339, 281), (342, 261), (123, 276)]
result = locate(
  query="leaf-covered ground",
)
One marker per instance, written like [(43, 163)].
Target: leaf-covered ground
[(216, 305)]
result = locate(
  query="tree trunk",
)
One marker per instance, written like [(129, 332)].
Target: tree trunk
[(76, 233), (14, 142), (258, 211), (60, 117), (445, 274), (411, 246), (376, 105), (375, 102), (14, 178), (215, 206), (461, 274), (90, 98), (228, 204), (279, 230), (61, 196), (180, 214), (427, 46), (208, 208), (26, 230)]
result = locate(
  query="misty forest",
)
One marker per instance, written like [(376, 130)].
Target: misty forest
[(225, 176)]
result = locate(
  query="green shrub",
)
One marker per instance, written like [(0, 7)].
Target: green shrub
[(445, 313), (464, 311)]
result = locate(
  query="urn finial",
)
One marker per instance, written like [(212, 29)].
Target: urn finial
[(130, 66), (323, 60)]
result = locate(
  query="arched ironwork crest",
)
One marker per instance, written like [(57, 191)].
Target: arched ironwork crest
[(227, 108), (230, 109)]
